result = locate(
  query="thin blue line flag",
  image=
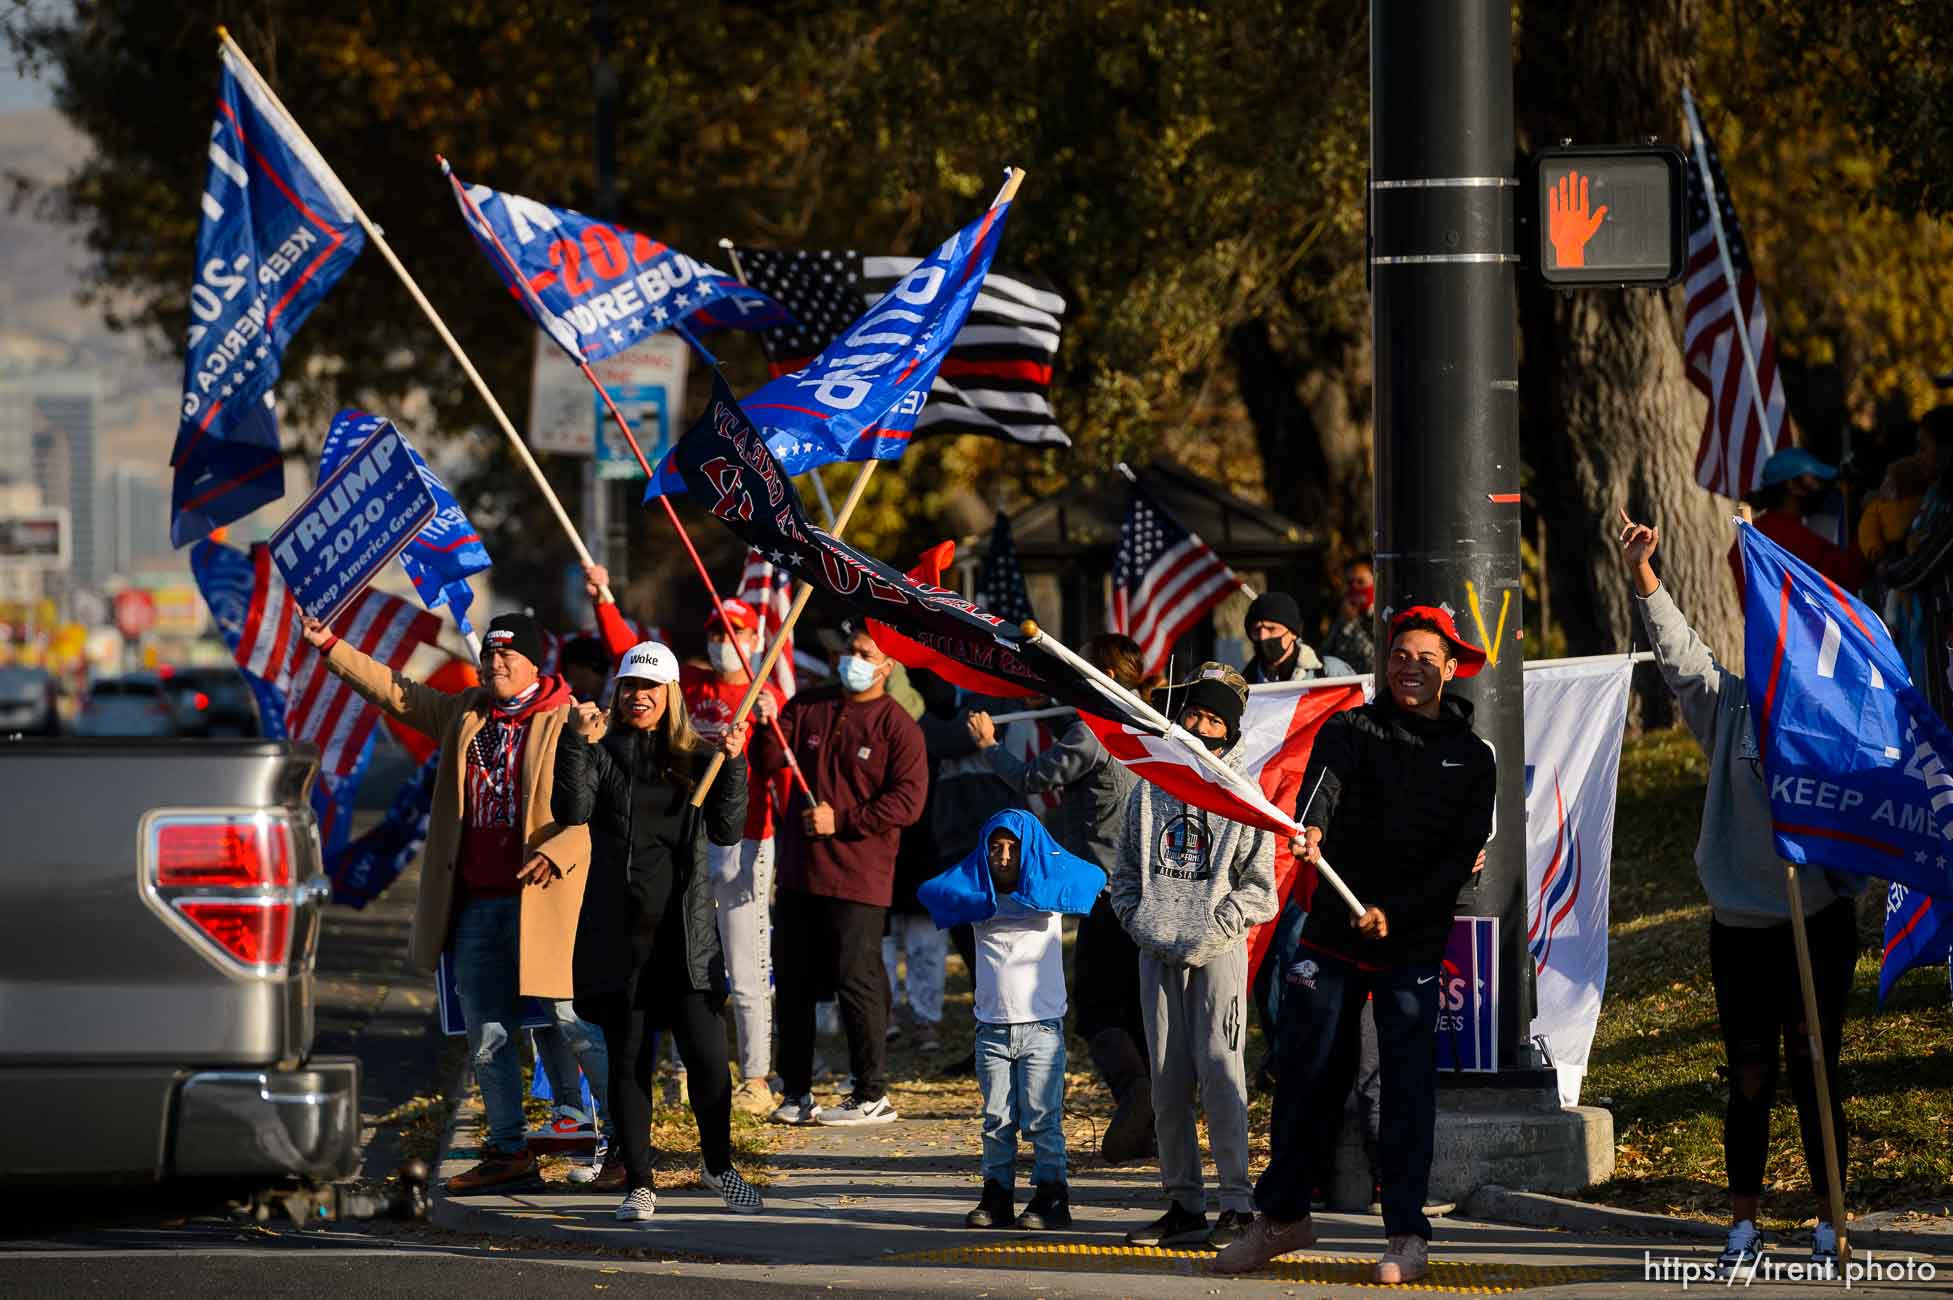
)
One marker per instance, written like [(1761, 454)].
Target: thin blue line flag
[(860, 398), (597, 288), (278, 231), (1855, 758), (445, 552)]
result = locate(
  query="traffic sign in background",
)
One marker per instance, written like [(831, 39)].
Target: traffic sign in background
[(1609, 216), (567, 417)]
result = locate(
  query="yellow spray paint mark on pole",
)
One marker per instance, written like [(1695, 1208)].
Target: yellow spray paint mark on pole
[(1490, 643)]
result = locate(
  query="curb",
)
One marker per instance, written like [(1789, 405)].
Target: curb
[(1497, 1204)]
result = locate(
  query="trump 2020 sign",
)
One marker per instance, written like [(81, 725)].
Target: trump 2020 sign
[(364, 513)]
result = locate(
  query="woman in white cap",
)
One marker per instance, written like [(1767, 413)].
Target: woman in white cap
[(647, 943)]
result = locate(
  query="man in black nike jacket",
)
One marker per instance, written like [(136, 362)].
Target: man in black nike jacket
[(1398, 799)]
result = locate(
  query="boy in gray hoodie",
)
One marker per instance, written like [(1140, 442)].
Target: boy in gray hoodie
[(1188, 886)]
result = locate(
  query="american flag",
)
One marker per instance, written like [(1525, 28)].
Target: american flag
[(767, 588), (1734, 443), (1000, 582), (1164, 579), (997, 378), (319, 707)]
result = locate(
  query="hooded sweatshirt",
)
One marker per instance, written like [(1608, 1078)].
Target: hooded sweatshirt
[(1190, 884), (1735, 854)]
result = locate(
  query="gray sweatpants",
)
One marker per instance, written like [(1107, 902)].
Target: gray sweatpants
[(1195, 1026)]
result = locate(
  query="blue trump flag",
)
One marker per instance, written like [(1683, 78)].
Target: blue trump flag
[(278, 231), (441, 557), (860, 398), (1918, 932), (1855, 758), (361, 871), (597, 288)]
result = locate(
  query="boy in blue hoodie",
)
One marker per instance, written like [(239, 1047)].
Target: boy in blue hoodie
[(1014, 887)]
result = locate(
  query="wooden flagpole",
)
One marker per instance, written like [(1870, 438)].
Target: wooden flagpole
[(806, 592), (378, 238), (1820, 1074)]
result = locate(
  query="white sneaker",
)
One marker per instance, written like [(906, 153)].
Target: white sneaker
[(741, 1197), (570, 1129), (639, 1206), (1744, 1247), (797, 1110), (1824, 1251), (856, 1111), (584, 1170)]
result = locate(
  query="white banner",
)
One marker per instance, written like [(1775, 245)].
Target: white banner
[(1575, 717)]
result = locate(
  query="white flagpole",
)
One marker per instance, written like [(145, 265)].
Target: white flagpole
[(374, 233), (1736, 309)]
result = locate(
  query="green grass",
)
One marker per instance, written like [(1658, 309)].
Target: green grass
[(1656, 1052)]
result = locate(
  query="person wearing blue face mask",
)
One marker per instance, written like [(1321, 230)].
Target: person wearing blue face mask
[(863, 757)]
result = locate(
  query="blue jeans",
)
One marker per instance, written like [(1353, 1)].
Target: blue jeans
[(485, 979), (1321, 1039), (569, 1043), (1021, 1070)]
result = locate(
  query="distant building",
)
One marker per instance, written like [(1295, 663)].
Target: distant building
[(47, 438)]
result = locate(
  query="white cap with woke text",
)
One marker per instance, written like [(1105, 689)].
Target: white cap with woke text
[(650, 661)]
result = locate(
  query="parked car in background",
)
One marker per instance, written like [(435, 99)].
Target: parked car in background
[(133, 706), (212, 702), (27, 703)]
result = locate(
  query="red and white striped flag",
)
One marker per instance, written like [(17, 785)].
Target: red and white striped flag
[(319, 707), (1736, 437), (1164, 579), (767, 587)]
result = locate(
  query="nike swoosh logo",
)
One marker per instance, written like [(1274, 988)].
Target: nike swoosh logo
[(1448, 763), (1427, 979)]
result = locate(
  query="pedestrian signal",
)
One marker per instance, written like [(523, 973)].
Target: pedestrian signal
[(1608, 217)]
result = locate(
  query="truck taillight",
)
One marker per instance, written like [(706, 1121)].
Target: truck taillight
[(227, 881)]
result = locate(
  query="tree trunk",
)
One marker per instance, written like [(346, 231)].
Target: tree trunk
[(1311, 422), (1609, 420)]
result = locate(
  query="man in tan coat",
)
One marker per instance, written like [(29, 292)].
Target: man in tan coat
[(501, 882)]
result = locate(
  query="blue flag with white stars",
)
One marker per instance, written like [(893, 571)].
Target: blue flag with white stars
[(860, 398), (1855, 758), (447, 550), (278, 230), (597, 288)]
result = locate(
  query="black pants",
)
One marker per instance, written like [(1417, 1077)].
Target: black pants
[(1105, 976), (697, 1027), (1759, 1002), (819, 939), (1321, 1046)]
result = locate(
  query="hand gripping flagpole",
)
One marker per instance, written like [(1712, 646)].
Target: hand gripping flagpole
[(1195, 750), (801, 597), (1820, 1074), (374, 233)]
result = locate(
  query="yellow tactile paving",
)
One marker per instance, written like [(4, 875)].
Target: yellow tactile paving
[(1446, 1277)]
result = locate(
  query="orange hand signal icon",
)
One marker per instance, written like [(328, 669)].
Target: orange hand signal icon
[(1569, 225)]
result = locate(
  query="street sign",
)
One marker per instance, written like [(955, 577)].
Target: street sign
[(568, 418), (135, 612), (353, 524), (34, 539), (1609, 217)]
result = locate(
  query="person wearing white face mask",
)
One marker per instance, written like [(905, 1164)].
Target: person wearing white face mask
[(742, 874), (863, 756)]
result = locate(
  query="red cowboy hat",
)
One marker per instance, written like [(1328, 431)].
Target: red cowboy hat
[(1470, 657)]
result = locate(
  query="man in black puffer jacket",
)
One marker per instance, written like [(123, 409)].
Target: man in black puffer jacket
[(1398, 799)]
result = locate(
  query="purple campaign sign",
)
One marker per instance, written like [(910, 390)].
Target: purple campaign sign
[(1468, 997)]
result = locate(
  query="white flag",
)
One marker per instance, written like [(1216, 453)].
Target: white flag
[(1575, 716)]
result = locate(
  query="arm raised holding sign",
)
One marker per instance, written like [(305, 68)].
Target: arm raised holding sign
[(420, 706)]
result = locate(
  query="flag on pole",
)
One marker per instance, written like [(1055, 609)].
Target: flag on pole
[(1918, 932), (361, 871), (1856, 760), (442, 556), (1164, 579), (278, 230), (1000, 582), (1735, 441), (996, 380), (768, 588), (859, 399), (597, 288)]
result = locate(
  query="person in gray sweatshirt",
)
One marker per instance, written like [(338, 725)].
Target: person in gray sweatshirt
[(1188, 886), (1752, 960)]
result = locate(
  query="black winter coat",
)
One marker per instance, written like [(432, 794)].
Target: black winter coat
[(1405, 804), (641, 820)]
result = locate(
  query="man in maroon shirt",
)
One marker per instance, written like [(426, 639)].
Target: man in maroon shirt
[(863, 756)]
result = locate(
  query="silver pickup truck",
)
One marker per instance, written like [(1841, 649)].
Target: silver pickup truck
[(159, 912)]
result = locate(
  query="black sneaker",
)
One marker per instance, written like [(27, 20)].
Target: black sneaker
[(995, 1210), (1230, 1228), (1179, 1226), (1049, 1210)]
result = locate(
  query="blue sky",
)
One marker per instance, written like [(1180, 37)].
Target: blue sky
[(18, 92)]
